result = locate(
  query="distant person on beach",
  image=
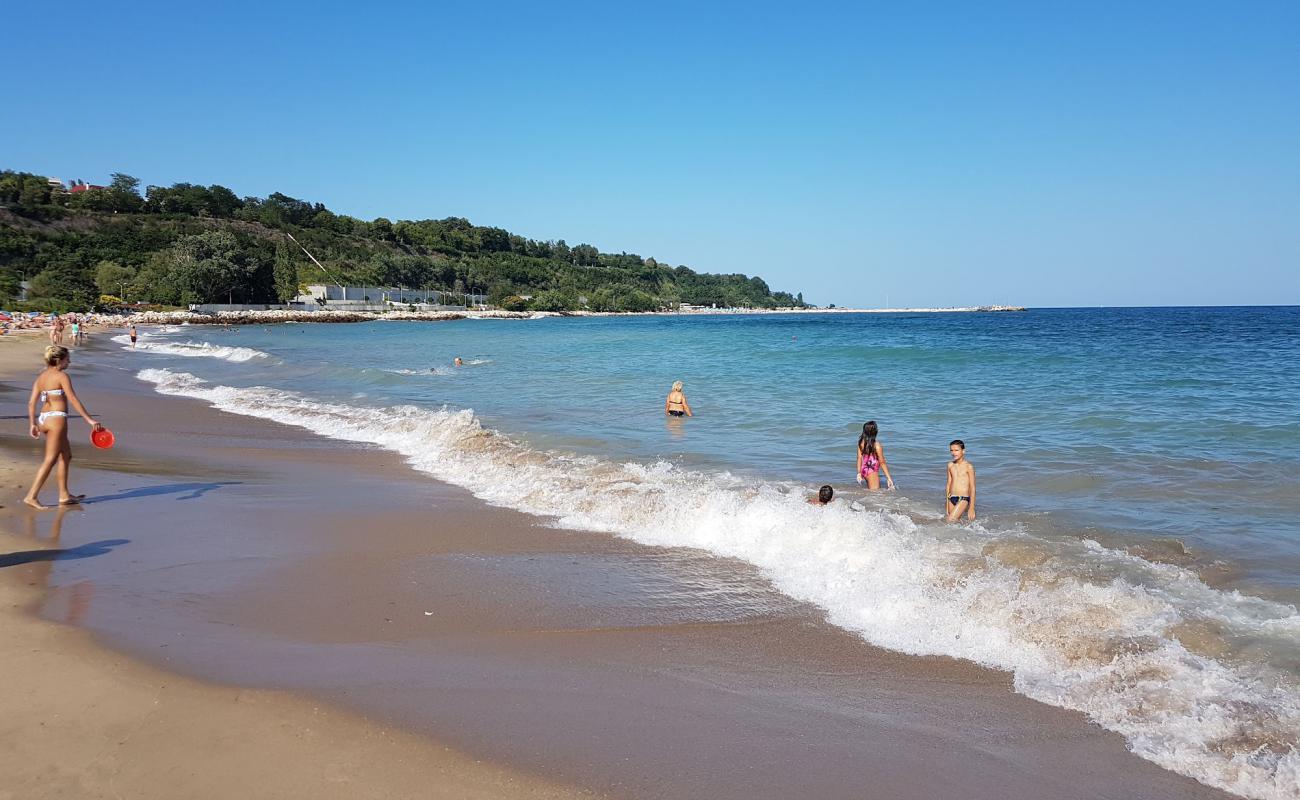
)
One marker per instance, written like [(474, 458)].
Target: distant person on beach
[(824, 496), (52, 390), (676, 405), (76, 332), (871, 458), (133, 335), (961, 483)]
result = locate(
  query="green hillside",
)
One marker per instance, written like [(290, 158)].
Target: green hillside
[(195, 244)]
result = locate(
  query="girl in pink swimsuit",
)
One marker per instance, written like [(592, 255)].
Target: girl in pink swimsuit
[(871, 458)]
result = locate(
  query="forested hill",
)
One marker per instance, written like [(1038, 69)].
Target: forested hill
[(194, 244)]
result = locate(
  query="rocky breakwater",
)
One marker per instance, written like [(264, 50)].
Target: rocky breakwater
[(284, 315)]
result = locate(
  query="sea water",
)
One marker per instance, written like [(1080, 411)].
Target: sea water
[(1136, 554)]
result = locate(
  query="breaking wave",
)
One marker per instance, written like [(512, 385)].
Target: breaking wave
[(193, 349), (1200, 681)]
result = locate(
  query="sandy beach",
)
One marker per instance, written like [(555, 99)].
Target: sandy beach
[(242, 609), (79, 720)]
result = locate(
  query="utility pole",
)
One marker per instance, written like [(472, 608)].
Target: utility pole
[(314, 261)]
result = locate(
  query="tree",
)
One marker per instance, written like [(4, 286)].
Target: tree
[(440, 253), (34, 192), (209, 267), (124, 192), (111, 278), (127, 184), (286, 273), (494, 239), (9, 286), (222, 202), (555, 300), (153, 281), (621, 297), (68, 282)]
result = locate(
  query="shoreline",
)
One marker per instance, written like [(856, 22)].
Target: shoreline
[(490, 605), (272, 316), (80, 719)]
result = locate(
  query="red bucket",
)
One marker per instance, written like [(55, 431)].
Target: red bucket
[(102, 438)]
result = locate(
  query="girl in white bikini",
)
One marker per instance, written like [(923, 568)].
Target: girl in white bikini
[(52, 391)]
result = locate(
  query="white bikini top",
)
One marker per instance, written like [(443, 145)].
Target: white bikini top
[(45, 395)]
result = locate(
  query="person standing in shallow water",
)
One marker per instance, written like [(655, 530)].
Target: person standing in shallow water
[(675, 405), (960, 490), (52, 391), (871, 458)]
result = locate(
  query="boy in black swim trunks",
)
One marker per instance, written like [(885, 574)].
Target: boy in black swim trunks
[(960, 493)]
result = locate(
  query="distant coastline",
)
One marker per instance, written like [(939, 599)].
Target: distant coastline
[(838, 310), (281, 315)]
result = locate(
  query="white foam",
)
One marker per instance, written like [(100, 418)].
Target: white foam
[(1080, 626), (193, 349), (443, 371)]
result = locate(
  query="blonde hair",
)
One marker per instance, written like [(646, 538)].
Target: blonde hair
[(54, 354), (677, 386)]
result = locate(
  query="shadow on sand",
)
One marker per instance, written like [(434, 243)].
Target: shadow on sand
[(88, 550), (187, 491)]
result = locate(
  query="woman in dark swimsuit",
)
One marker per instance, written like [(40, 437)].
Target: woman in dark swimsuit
[(676, 405)]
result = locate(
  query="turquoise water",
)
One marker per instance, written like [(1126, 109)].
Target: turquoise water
[(1136, 557), (1150, 422)]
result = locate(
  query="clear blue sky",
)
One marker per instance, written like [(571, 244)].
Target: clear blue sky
[(1038, 153)]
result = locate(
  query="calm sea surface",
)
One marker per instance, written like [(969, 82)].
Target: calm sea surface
[(1137, 468)]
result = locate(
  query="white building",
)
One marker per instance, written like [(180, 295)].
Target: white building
[(359, 297)]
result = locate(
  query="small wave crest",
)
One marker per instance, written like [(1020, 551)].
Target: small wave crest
[(1145, 649), (193, 349), (443, 371)]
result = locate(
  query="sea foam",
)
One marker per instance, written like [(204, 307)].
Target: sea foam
[(192, 349), (1148, 650)]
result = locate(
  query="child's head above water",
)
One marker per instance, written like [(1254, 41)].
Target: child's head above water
[(825, 494)]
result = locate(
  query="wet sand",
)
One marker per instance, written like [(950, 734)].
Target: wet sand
[(79, 720), (258, 556)]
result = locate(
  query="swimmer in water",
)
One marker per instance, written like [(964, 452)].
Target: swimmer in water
[(675, 405), (824, 496), (458, 362), (871, 458), (960, 490)]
